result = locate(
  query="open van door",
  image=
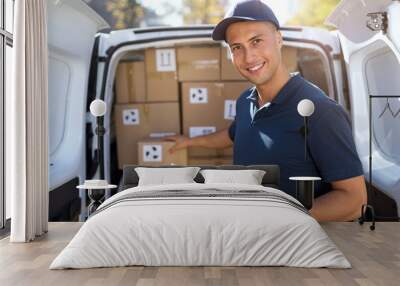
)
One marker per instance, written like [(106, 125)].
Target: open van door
[(369, 32), (72, 26)]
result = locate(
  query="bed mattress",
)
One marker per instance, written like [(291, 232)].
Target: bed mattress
[(201, 225)]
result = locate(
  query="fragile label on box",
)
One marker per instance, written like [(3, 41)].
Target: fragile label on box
[(131, 116), (230, 109), (152, 153), (165, 60), (201, 130), (198, 95)]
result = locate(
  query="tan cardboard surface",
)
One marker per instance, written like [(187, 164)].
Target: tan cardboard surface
[(153, 152), (213, 161), (199, 63), (227, 152), (161, 86), (210, 111), (289, 57), (130, 82), (202, 152), (135, 122)]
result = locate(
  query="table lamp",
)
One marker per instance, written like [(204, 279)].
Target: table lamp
[(305, 185), (305, 108), (98, 108)]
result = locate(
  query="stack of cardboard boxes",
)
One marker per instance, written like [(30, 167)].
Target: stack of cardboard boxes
[(147, 108), (189, 90), (210, 86)]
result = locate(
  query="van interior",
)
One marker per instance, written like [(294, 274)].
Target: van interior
[(97, 64), (310, 63), (212, 222)]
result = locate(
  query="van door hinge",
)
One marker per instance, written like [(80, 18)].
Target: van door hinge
[(101, 59), (377, 21)]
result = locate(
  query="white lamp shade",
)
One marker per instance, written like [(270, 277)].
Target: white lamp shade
[(305, 107), (98, 108)]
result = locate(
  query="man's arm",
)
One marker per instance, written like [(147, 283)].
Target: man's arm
[(218, 140), (343, 203)]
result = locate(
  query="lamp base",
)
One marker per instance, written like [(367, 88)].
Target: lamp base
[(96, 197), (305, 190), (305, 193)]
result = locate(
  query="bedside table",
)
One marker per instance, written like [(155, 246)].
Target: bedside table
[(305, 190), (96, 192)]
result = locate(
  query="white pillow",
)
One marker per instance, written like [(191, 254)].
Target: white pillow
[(248, 177), (163, 176)]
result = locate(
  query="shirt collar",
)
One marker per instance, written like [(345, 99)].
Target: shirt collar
[(253, 96)]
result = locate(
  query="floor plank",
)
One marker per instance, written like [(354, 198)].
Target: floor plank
[(374, 255)]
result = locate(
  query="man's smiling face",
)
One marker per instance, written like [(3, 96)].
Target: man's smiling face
[(256, 49)]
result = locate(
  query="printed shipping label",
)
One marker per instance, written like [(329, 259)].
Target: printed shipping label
[(165, 60), (201, 130), (152, 153), (230, 109), (131, 116), (198, 95)]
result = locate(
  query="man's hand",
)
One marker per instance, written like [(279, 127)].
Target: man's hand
[(181, 142), (218, 140)]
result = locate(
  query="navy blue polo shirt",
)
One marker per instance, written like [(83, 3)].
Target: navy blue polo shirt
[(271, 135)]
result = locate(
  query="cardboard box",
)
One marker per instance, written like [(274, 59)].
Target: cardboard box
[(228, 70), (161, 75), (210, 161), (289, 57), (130, 82), (135, 122), (227, 152), (208, 107), (154, 152), (199, 63), (202, 152)]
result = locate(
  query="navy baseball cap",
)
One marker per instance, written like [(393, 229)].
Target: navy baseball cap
[(245, 10)]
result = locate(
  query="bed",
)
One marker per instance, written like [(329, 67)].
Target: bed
[(201, 224)]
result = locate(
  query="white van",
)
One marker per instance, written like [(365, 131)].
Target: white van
[(360, 60)]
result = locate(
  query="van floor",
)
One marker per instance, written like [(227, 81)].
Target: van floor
[(374, 255)]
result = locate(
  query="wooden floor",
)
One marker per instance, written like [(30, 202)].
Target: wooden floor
[(375, 257)]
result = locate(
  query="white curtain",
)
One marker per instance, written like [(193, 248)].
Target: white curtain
[(26, 123)]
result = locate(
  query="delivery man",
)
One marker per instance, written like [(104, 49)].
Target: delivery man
[(266, 129)]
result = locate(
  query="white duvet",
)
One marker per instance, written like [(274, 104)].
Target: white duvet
[(200, 231)]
